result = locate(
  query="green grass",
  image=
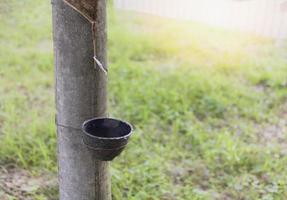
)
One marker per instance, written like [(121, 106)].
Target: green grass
[(202, 100)]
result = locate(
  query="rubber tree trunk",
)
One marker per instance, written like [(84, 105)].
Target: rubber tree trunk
[(80, 95)]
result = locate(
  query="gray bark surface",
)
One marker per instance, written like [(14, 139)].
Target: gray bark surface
[(80, 95)]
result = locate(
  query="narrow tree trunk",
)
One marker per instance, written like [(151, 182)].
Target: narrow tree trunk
[(80, 94)]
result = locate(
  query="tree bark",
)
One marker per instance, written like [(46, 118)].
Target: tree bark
[(80, 94)]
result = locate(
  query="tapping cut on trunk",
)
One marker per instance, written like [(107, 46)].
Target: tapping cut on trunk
[(87, 8), (90, 9)]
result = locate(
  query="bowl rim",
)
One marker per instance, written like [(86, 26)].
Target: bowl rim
[(106, 138)]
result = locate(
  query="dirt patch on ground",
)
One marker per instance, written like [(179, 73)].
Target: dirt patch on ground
[(19, 184), (275, 134)]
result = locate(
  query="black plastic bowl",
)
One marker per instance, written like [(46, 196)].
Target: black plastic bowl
[(107, 137)]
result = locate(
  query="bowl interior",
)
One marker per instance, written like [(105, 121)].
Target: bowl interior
[(107, 128)]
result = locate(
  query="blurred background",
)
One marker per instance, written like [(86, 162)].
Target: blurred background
[(203, 82), (264, 17)]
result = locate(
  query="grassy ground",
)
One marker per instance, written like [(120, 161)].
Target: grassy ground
[(209, 107)]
